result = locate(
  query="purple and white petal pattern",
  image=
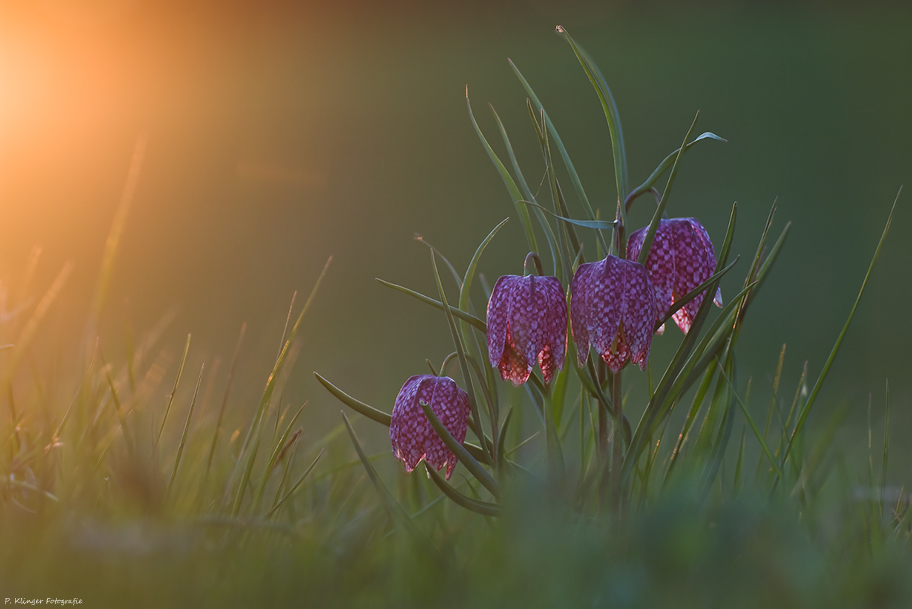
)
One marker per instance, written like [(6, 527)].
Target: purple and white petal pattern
[(527, 322), (411, 434), (681, 258), (613, 309)]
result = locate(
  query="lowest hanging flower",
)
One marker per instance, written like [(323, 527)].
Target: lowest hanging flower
[(527, 322), (613, 309), (411, 434), (680, 259)]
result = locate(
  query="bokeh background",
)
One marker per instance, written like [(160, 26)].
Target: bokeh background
[(280, 133)]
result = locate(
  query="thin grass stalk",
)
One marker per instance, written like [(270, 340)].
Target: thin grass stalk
[(186, 432), (180, 370), (609, 107), (114, 237), (221, 414), (826, 368), (521, 208), (463, 364), (657, 216)]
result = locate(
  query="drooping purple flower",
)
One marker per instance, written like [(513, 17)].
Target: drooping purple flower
[(527, 322), (411, 434), (680, 259), (613, 309)]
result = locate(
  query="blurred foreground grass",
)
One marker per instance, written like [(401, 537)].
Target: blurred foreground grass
[(122, 497)]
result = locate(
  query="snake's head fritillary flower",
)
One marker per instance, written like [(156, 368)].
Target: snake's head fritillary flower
[(680, 259), (411, 434), (527, 322), (613, 309)]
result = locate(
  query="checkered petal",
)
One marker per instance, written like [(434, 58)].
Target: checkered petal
[(661, 263), (613, 309), (681, 258), (527, 322), (499, 307), (411, 434)]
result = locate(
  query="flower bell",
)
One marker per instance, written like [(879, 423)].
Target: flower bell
[(527, 322), (411, 434), (613, 309), (680, 259)]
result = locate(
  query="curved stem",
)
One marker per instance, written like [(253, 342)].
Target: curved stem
[(528, 269)]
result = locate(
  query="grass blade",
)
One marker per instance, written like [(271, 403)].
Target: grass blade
[(463, 364), (475, 468), (180, 371), (679, 304), (437, 304), (664, 165), (611, 114), (183, 440), (508, 181), (845, 328), (484, 508), (750, 421), (295, 486), (381, 417), (396, 511), (657, 216), (473, 264), (221, 415)]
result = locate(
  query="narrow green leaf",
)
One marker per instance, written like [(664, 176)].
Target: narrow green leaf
[(750, 421), (34, 322), (481, 507), (695, 406), (118, 408), (456, 277), (381, 417), (436, 304), (369, 411), (596, 224), (737, 480), (654, 224), (463, 365), (501, 438), (186, 432), (664, 165), (663, 398), (826, 368), (508, 181), (475, 468), (473, 264), (273, 458), (679, 304), (394, 509), (294, 487), (886, 446), (574, 176), (269, 389), (180, 371), (611, 114), (221, 415)]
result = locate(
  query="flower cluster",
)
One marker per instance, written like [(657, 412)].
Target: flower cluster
[(614, 307)]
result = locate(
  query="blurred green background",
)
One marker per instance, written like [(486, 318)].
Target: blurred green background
[(280, 133)]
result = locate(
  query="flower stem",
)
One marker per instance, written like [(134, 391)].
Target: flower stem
[(617, 439), (529, 269)]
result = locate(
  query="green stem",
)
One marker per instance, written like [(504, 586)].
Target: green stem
[(617, 439)]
